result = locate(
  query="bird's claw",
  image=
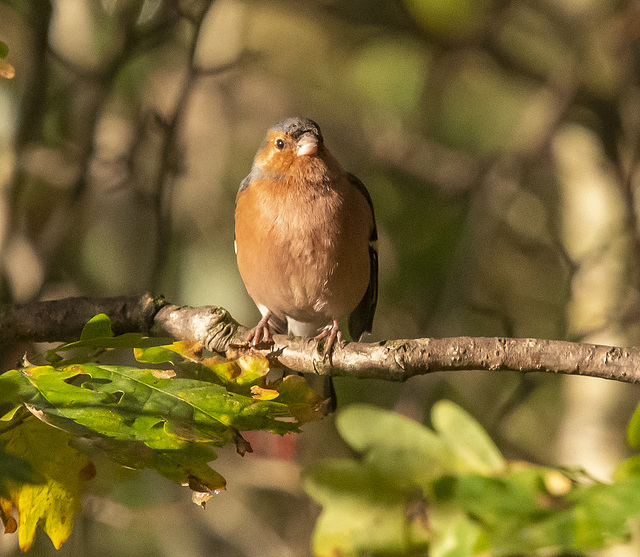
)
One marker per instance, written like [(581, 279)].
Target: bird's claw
[(332, 333), (260, 335)]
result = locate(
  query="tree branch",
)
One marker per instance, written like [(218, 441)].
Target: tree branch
[(398, 360), (63, 320), (391, 360)]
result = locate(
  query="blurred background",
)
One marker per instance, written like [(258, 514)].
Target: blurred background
[(499, 140)]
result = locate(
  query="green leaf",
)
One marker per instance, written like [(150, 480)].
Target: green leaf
[(628, 467), (10, 413), (137, 404), (362, 512), (454, 534), (96, 327), (96, 337), (467, 439), (127, 340), (178, 420), (160, 354), (4, 50), (83, 351), (189, 465), (517, 513), (173, 417), (395, 445), (633, 431), (9, 386), (500, 499), (602, 512), (15, 387)]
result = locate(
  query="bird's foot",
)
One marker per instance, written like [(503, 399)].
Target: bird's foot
[(332, 333), (261, 334)]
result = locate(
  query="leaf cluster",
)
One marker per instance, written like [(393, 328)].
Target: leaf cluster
[(449, 492), (169, 413)]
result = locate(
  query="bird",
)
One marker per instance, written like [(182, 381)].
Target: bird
[(306, 239)]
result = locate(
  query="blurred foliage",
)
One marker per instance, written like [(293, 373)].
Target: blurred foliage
[(449, 492), (499, 141)]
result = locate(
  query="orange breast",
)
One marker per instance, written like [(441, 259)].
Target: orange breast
[(303, 252)]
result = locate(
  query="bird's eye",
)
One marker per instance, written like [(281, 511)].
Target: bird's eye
[(279, 144)]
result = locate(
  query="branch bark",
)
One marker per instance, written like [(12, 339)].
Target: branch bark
[(391, 360), (63, 320)]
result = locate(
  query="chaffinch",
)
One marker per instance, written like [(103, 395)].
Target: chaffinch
[(305, 238)]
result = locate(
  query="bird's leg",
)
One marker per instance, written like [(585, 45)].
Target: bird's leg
[(331, 332), (261, 332)]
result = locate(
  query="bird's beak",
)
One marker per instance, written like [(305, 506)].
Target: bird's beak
[(307, 145)]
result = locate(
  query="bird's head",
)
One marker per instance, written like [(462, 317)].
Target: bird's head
[(291, 143)]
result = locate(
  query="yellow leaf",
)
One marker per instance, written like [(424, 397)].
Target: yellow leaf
[(264, 394), (190, 349), (163, 373), (244, 370), (6, 69), (6, 514), (52, 503)]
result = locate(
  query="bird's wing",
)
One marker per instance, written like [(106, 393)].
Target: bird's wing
[(361, 319)]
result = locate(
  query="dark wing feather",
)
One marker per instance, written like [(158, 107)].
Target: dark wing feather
[(245, 183), (361, 319), (363, 190)]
